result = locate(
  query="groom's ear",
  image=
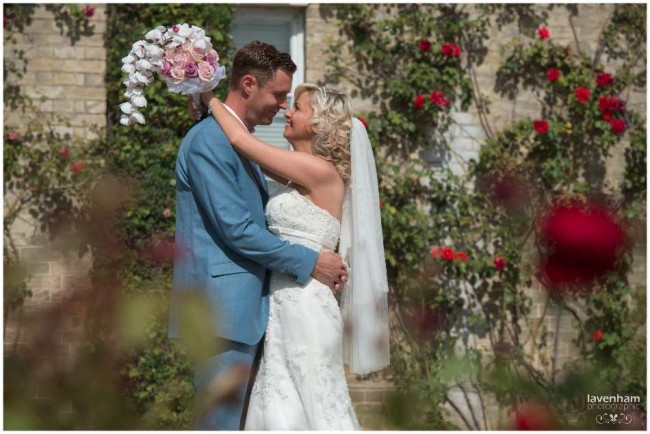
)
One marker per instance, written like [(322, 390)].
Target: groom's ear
[(248, 83)]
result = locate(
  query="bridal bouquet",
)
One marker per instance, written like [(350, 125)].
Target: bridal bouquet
[(181, 55)]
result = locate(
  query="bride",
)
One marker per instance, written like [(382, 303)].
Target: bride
[(328, 196)]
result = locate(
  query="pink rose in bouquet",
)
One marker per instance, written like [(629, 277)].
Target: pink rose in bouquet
[(182, 55), (178, 73), (206, 71)]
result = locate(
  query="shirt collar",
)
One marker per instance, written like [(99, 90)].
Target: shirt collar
[(232, 112)]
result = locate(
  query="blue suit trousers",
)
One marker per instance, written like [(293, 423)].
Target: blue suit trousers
[(225, 416)]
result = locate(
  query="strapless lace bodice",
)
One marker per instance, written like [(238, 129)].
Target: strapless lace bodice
[(295, 218)]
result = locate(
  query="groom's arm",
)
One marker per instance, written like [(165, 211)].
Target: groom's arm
[(212, 171)]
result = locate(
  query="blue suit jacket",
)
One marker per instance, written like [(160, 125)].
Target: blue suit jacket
[(224, 248)]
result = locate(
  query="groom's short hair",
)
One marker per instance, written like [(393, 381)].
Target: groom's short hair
[(260, 60)]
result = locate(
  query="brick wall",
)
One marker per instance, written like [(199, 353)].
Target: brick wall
[(69, 74)]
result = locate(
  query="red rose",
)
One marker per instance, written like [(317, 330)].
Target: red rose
[(582, 242), (450, 50), (541, 126), (597, 335), (461, 255), (447, 253), (424, 45), (607, 116), (499, 263), (64, 152), (381, 203), (436, 252), (363, 121), (438, 98), (76, 166), (418, 102), (553, 74), (604, 79), (603, 103), (616, 104), (611, 103), (535, 417), (12, 136), (543, 33), (582, 94), (617, 126), (89, 11)]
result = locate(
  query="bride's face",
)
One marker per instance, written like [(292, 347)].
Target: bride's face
[(298, 130)]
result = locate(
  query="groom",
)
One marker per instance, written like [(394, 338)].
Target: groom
[(225, 249)]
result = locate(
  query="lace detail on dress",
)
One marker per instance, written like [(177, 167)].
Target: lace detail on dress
[(287, 208), (332, 392), (301, 384)]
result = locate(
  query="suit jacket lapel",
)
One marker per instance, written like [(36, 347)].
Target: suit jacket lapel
[(254, 172), (260, 174)]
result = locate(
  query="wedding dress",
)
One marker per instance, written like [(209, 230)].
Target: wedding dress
[(300, 384)]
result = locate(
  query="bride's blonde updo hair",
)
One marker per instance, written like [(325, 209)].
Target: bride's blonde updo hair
[(332, 123)]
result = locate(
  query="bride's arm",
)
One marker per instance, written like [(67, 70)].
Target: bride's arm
[(275, 177), (300, 167)]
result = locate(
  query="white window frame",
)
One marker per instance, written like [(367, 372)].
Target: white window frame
[(293, 16)]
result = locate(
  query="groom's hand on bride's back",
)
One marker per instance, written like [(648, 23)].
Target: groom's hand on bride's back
[(330, 270)]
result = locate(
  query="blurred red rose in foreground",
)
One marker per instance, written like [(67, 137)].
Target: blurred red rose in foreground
[(532, 416), (424, 322), (582, 242), (164, 251), (508, 189)]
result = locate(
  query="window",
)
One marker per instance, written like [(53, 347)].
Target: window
[(283, 27)]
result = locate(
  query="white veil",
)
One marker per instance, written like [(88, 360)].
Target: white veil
[(364, 303)]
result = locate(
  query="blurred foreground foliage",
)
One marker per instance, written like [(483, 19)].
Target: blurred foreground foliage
[(100, 358)]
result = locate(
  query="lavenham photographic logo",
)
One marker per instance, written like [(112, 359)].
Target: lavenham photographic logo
[(614, 409)]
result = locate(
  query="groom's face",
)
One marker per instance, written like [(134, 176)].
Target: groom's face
[(265, 101)]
